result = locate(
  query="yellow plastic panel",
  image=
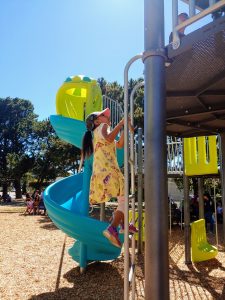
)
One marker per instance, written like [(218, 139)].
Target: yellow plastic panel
[(136, 224), (197, 160), (201, 250), (78, 97)]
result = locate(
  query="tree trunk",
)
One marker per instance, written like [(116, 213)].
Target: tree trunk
[(24, 188), (4, 188), (195, 185), (17, 186)]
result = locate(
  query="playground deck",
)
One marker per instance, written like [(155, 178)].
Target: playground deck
[(35, 265)]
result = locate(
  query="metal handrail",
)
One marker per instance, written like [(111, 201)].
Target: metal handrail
[(126, 185), (176, 27)]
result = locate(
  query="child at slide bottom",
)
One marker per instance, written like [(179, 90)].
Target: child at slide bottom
[(107, 181)]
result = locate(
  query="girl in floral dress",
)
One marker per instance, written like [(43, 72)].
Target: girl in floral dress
[(107, 181)]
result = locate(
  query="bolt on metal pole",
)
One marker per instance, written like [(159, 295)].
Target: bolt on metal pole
[(156, 195)]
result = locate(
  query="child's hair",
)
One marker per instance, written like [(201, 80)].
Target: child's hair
[(87, 144)]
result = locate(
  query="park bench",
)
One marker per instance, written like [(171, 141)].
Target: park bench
[(201, 250)]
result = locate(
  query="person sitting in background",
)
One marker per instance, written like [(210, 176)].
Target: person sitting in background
[(208, 211), (6, 198), (41, 203), (181, 18), (219, 212), (36, 198), (30, 204)]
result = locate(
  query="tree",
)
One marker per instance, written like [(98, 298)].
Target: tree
[(53, 157), (16, 123)]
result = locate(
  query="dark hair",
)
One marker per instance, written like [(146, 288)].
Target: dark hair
[(206, 194), (87, 144), (184, 15)]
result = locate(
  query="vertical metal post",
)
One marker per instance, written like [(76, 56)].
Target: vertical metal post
[(212, 2), (126, 179), (102, 212), (132, 192), (187, 230), (140, 159), (176, 39), (200, 198), (191, 8), (140, 190), (222, 172), (156, 200), (214, 200), (174, 13)]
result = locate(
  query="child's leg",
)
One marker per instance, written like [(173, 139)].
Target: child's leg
[(111, 232), (118, 217)]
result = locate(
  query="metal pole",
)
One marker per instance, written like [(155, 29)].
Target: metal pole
[(170, 211), (222, 172), (126, 178), (132, 192), (174, 13), (137, 86), (214, 200), (102, 212), (187, 230), (156, 195), (140, 190), (191, 8), (200, 198)]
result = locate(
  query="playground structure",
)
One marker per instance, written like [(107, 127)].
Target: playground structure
[(201, 250), (67, 200), (194, 107)]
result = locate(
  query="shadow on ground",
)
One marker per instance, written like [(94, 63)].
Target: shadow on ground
[(46, 223), (199, 274), (101, 281)]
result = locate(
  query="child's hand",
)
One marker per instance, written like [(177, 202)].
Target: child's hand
[(121, 123)]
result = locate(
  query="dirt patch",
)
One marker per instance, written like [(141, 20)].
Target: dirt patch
[(35, 264)]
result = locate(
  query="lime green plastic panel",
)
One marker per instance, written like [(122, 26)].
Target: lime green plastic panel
[(136, 224), (78, 97), (197, 160), (201, 250)]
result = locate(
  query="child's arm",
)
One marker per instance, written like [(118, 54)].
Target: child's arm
[(120, 142), (110, 136)]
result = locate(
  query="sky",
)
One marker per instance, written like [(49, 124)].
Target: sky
[(45, 41)]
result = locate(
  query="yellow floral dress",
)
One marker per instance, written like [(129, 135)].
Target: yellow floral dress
[(107, 180)]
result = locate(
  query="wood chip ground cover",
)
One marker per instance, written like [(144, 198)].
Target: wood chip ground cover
[(35, 265)]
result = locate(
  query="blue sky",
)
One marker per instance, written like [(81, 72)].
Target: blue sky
[(45, 41)]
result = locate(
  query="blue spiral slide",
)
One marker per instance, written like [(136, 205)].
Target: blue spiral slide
[(67, 202)]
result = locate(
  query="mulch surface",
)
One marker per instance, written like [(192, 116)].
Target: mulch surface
[(35, 264)]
